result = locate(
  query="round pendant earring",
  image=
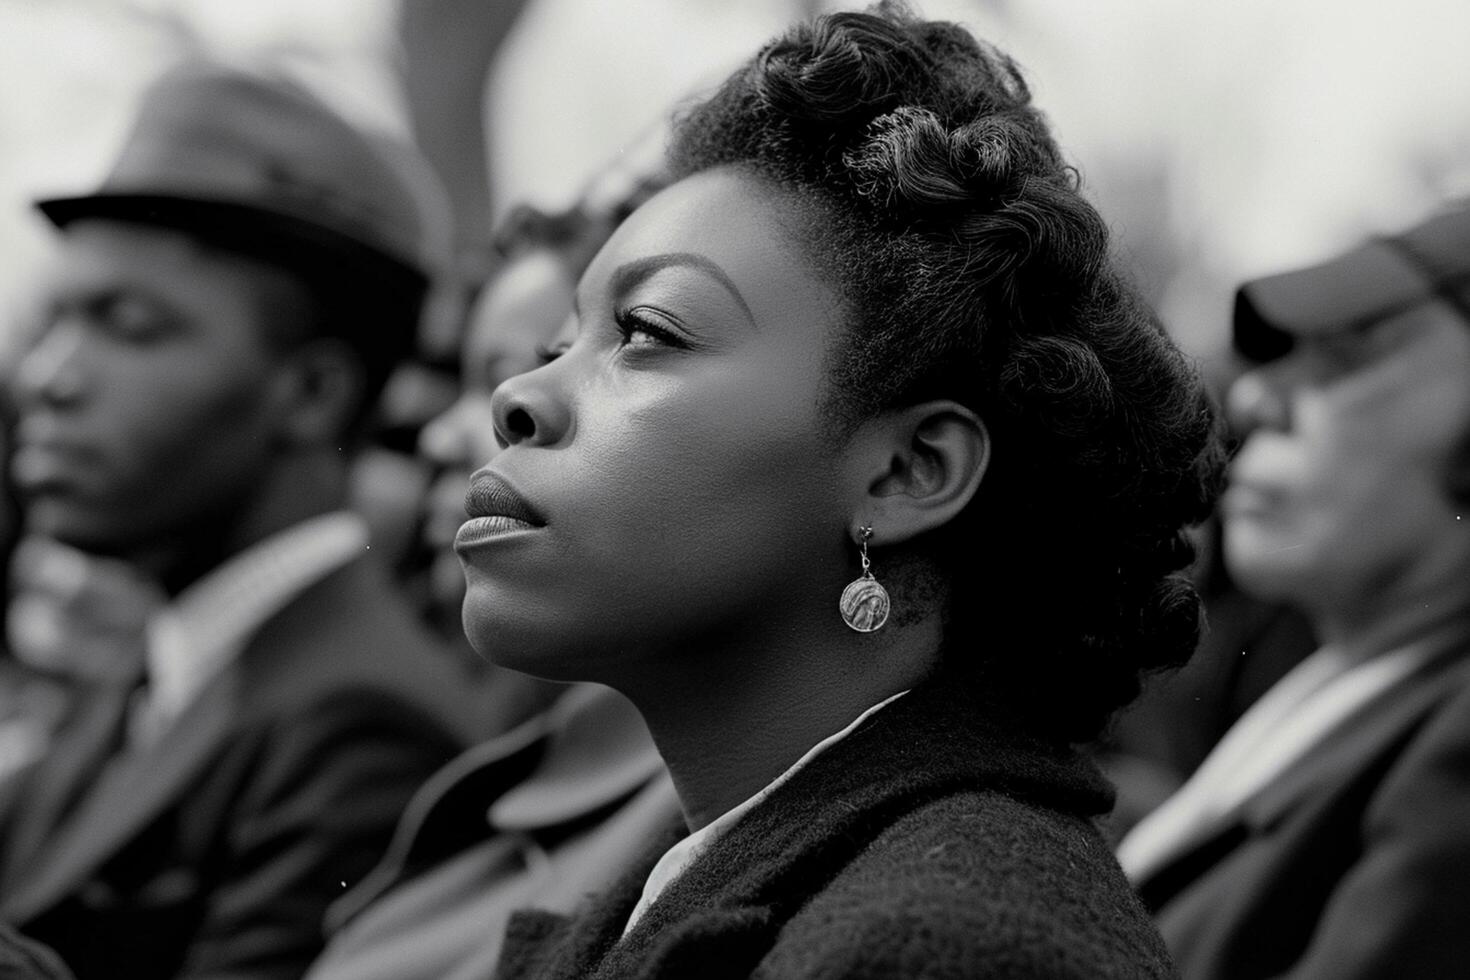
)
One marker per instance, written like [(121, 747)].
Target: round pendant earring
[(864, 603)]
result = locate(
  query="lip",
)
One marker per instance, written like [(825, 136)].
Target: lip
[(480, 530), (1246, 499), (491, 495), (35, 465)]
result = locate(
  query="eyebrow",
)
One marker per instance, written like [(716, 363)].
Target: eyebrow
[(632, 273)]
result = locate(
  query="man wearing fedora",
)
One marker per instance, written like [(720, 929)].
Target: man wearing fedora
[(1328, 833), (222, 313)]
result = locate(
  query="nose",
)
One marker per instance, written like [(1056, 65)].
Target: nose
[(530, 408), (51, 370), (463, 436), (1257, 399)]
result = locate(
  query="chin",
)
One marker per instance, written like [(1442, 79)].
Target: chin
[(1269, 566), (55, 518), (524, 637)]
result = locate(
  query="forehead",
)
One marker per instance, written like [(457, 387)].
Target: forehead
[(216, 290), (745, 225), (100, 254), (531, 282), (99, 247)]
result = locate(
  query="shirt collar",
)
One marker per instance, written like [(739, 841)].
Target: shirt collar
[(205, 627), (687, 850)]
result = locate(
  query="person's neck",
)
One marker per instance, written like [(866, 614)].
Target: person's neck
[(299, 488), (730, 720), (1382, 621)]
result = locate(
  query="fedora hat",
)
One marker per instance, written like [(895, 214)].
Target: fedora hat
[(258, 162)]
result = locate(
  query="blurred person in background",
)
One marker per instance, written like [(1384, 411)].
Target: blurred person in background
[(74, 628), (220, 316), (1328, 834), (563, 804), (72, 623), (1247, 645)]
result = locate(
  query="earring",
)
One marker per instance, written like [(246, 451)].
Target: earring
[(864, 603)]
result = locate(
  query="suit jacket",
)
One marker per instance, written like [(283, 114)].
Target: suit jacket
[(1354, 863), (214, 852), (541, 816), (933, 841), (24, 959)]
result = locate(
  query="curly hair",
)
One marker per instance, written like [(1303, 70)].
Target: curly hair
[(930, 190)]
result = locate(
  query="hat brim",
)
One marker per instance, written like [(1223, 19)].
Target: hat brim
[(260, 233), (1373, 281)]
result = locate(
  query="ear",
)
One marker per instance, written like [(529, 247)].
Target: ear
[(919, 467), (319, 389)]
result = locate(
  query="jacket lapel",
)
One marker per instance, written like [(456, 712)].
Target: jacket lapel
[(1379, 730), (39, 799), (133, 790), (1347, 751), (447, 812)]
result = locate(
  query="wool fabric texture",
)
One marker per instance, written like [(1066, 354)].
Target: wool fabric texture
[(937, 840)]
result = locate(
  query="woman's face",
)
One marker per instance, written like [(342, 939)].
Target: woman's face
[(669, 483)]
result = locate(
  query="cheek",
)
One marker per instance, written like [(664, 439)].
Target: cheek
[(678, 514), (186, 439), (1362, 471), (1384, 451), (709, 456)]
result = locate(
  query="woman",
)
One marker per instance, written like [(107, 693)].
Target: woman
[(870, 331)]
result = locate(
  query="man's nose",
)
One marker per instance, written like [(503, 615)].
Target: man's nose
[(1257, 400), (51, 370), (463, 435)]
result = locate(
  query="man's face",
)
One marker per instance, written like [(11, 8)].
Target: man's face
[(1338, 495), (147, 404)]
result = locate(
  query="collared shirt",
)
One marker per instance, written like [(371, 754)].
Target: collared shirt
[(687, 851), (1292, 718), (206, 626)]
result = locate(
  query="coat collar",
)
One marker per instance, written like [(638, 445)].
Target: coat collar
[(588, 751), (941, 739), (1374, 733)]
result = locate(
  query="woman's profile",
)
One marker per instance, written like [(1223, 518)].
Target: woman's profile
[(870, 334)]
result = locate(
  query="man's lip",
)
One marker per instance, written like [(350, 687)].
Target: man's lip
[(44, 434), (39, 464), (1244, 498), (491, 495)]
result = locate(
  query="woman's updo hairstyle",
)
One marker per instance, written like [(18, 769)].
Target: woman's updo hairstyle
[(927, 186)]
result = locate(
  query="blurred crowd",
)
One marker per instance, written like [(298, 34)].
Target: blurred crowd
[(241, 731)]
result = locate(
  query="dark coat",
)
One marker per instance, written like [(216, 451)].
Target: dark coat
[(23, 959), (1353, 864), (933, 841), (215, 852)]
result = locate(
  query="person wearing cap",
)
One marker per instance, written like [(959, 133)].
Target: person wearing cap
[(222, 312), (1328, 834)]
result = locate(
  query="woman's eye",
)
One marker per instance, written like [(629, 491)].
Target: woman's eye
[(644, 328)]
